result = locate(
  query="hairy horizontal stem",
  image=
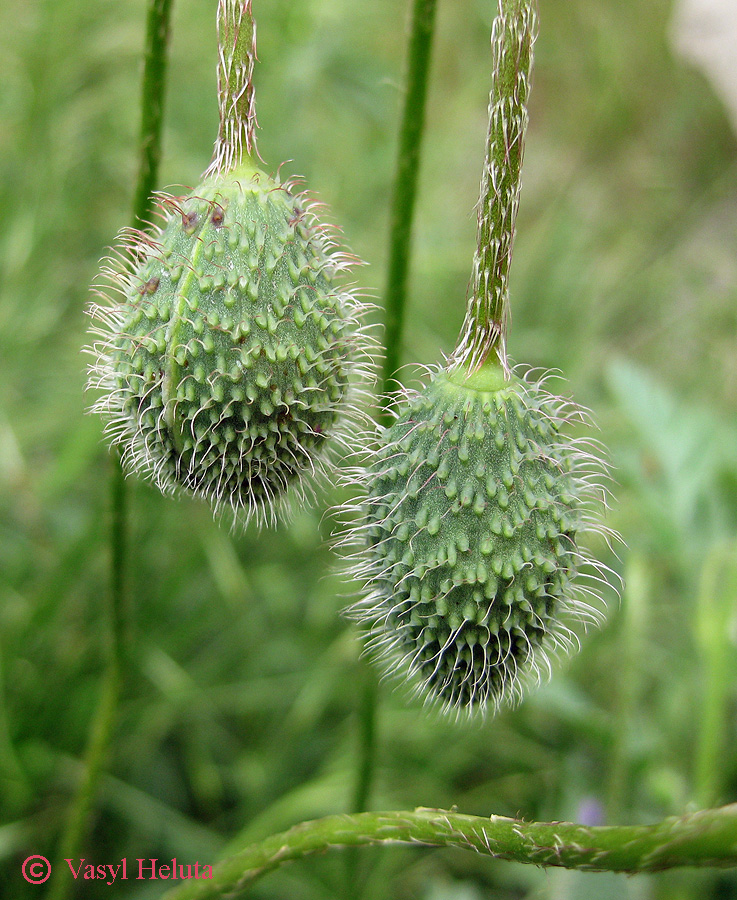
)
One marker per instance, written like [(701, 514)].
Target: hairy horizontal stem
[(706, 838)]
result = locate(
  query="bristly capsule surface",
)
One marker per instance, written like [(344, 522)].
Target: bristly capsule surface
[(227, 347), (471, 536)]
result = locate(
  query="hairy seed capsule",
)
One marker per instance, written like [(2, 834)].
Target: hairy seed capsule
[(470, 541), (226, 366)]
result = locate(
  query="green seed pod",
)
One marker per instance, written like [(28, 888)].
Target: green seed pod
[(470, 540), (226, 367), (228, 347)]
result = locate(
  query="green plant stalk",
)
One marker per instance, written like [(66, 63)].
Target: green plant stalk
[(706, 838), (631, 637), (484, 331), (236, 141), (152, 108), (365, 769), (716, 605), (400, 231), (367, 735), (152, 104), (97, 744), (405, 188), (401, 217)]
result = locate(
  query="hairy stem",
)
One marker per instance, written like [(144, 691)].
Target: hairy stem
[(405, 185), (707, 838), (484, 331), (236, 140), (101, 727)]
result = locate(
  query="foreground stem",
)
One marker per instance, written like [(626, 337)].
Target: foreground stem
[(706, 838)]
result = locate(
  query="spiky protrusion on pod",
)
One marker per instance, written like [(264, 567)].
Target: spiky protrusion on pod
[(226, 363), (470, 538)]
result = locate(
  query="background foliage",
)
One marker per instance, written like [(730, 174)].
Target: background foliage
[(240, 711)]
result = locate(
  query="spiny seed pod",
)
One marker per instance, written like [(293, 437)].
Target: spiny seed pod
[(226, 366), (228, 359), (470, 538)]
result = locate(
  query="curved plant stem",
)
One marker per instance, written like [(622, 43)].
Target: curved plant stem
[(707, 838), (485, 327), (405, 186), (152, 102)]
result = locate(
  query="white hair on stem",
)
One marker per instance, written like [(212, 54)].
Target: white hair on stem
[(484, 331), (237, 99)]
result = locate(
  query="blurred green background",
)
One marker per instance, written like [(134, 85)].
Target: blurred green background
[(240, 710)]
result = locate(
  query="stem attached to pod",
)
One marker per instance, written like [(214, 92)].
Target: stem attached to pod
[(483, 337), (236, 140)]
